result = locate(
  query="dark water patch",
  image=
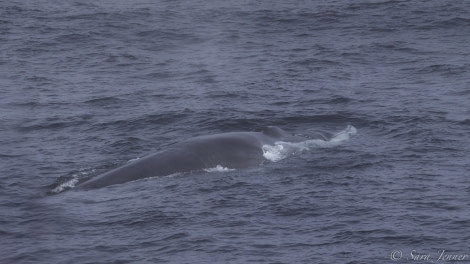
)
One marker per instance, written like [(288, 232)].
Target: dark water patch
[(165, 40), (158, 75), (357, 6), (401, 46), (465, 122), (162, 118), (74, 38), (455, 23), (326, 119), (10, 155), (40, 80), (228, 95), (336, 100), (316, 64), (52, 123), (105, 101), (167, 35), (447, 70)]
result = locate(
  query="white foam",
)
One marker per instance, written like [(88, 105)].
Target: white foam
[(343, 136), (132, 160), (66, 185), (275, 153), (219, 168), (281, 150), (73, 181)]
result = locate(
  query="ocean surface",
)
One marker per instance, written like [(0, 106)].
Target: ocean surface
[(87, 86)]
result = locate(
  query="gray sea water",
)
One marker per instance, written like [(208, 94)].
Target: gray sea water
[(86, 86)]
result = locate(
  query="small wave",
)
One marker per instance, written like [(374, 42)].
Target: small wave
[(218, 168), (281, 150)]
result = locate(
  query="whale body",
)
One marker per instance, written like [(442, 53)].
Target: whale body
[(233, 150)]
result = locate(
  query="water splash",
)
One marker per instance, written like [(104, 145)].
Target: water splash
[(218, 168), (281, 149), (68, 182)]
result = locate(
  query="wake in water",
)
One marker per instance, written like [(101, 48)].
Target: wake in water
[(281, 150)]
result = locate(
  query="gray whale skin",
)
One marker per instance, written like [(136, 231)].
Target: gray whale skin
[(230, 150)]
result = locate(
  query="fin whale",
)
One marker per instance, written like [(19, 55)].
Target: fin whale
[(231, 150)]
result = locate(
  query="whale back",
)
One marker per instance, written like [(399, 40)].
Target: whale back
[(230, 150), (273, 131)]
